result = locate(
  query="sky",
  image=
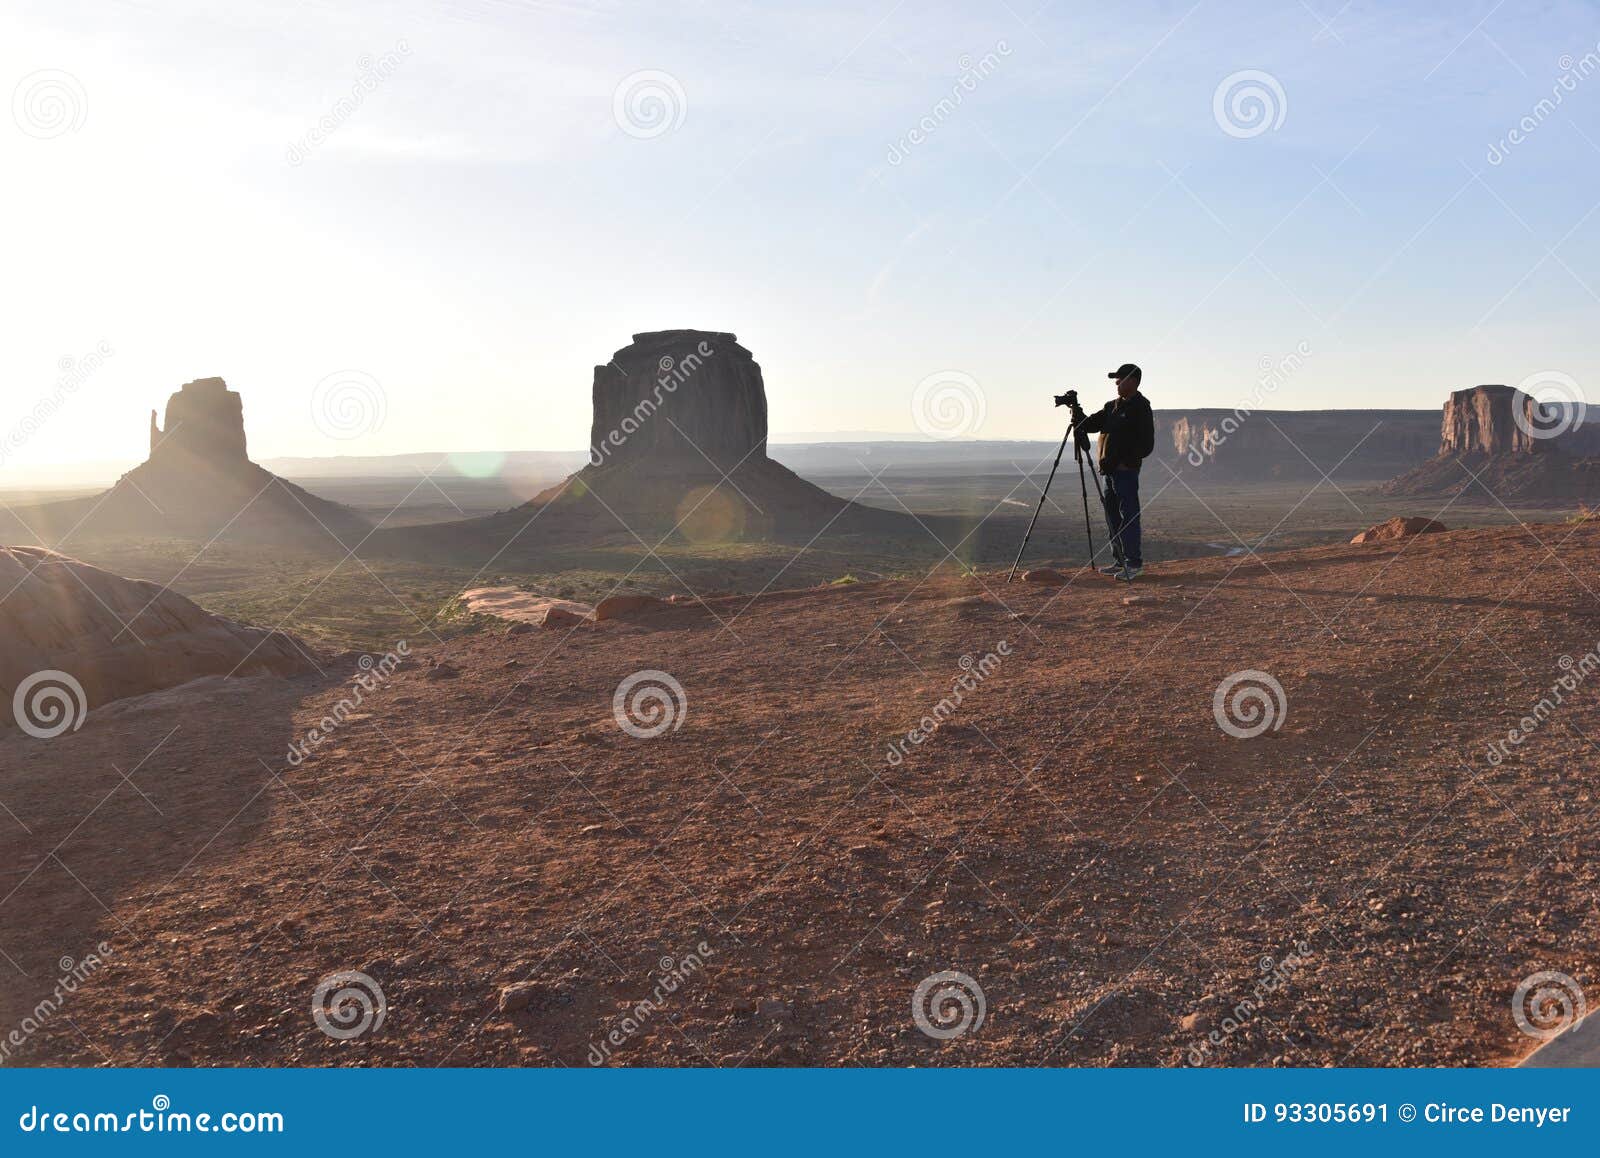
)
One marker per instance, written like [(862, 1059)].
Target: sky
[(417, 226)]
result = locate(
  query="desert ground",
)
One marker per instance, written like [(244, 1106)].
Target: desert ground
[(1079, 835)]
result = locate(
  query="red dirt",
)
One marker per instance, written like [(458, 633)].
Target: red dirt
[(1080, 836)]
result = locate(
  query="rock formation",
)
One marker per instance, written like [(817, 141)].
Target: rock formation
[(198, 483), (678, 448), (679, 443), (205, 424), (1482, 420), (1399, 527), (1487, 444), (679, 395), (67, 627)]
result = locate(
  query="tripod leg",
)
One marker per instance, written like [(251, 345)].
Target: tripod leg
[(1088, 533), (1062, 449)]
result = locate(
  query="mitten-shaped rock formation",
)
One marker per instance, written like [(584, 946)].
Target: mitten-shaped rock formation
[(68, 628), (205, 424), (198, 483)]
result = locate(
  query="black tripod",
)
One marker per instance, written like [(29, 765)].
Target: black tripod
[(1077, 453)]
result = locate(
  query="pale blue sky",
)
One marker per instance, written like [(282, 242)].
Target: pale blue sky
[(481, 230)]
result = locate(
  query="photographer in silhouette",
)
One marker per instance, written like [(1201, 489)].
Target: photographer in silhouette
[(1127, 432)]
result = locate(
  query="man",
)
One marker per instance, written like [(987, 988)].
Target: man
[(1127, 432)]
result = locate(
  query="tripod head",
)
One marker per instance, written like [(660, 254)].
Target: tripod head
[(1070, 401)]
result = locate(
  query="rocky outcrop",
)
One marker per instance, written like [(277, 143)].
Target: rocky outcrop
[(1488, 446), (1399, 527), (198, 483), (623, 606), (1494, 420), (1482, 420), (679, 394), (73, 637), (525, 609)]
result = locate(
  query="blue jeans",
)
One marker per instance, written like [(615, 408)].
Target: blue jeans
[(1122, 516)]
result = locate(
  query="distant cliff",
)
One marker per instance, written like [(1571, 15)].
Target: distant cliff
[(1293, 445)]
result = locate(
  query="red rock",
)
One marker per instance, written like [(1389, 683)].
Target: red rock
[(119, 637), (1483, 418), (617, 606), (1399, 527), (558, 616)]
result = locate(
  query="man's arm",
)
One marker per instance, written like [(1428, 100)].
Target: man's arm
[(1095, 422)]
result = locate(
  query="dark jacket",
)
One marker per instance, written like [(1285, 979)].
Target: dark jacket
[(1127, 432)]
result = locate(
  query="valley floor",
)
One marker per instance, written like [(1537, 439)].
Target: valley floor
[(1124, 880)]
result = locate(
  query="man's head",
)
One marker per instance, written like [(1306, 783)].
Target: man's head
[(1127, 378)]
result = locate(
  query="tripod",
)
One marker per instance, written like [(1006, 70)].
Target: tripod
[(1077, 453)]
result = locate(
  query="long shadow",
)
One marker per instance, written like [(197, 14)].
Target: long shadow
[(98, 824)]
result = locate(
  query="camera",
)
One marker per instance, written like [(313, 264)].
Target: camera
[(1070, 398)]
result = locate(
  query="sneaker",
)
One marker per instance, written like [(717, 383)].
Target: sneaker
[(1110, 569), (1130, 573)]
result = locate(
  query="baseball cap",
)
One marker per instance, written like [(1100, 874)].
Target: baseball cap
[(1127, 370)]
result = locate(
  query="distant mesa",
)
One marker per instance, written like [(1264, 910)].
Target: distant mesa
[(198, 483), (1247, 446), (678, 449), (1492, 447), (77, 637)]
